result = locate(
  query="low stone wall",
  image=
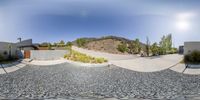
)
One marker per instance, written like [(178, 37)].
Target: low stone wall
[(48, 54)]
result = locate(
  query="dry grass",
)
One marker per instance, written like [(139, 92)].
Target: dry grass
[(80, 57)]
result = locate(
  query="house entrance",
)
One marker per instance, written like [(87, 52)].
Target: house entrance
[(27, 54)]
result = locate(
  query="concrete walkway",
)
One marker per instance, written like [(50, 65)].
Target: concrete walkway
[(149, 64), (181, 68), (11, 67), (133, 62), (144, 64)]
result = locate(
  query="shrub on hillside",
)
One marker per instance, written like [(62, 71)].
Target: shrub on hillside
[(193, 57), (69, 44), (122, 48), (81, 42)]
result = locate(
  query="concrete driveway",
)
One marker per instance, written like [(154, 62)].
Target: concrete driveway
[(149, 64), (133, 62)]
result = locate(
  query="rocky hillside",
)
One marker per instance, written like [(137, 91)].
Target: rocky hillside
[(107, 44)]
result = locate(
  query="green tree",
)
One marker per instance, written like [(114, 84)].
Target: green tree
[(44, 44), (137, 46), (49, 46), (122, 48), (55, 44), (162, 46), (147, 46), (154, 49), (62, 43), (166, 44), (69, 44), (81, 42)]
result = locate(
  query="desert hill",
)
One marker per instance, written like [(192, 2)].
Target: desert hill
[(107, 44)]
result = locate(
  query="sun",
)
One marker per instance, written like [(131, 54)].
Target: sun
[(182, 25), (183, 21)]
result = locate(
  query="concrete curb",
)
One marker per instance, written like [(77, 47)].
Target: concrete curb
[(87, 64), (11, 67)]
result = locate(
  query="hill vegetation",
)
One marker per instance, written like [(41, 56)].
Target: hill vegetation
[(110, 44), (119, 45)]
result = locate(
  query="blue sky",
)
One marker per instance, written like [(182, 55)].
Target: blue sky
[(55, 20)]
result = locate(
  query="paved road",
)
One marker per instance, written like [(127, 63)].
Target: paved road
[(69, 81)]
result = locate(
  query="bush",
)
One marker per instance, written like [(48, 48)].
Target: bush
[(193, 57), (81, 42), (69, 44), (122, 48), (1, 58), (172, 51), (77, 56)]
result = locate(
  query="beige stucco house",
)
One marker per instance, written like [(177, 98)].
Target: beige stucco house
[(191, 46), (15, 49)]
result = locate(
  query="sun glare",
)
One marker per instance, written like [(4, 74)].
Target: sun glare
[(183, 21), (182, 25)]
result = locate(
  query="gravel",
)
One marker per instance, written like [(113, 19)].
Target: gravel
[(75, 82)]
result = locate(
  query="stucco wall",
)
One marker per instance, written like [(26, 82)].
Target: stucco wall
[(4, 47), (191, 46), (48, 54)]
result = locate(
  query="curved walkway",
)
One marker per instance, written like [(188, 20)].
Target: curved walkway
[(133, 62)]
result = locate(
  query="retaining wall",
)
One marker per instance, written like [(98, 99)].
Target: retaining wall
[(47, 54)]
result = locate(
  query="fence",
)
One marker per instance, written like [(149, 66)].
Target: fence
[(48, 54)]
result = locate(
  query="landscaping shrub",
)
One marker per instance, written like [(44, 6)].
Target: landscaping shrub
[(1, 58), (122, 48), (193, 57), (77, 56)]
